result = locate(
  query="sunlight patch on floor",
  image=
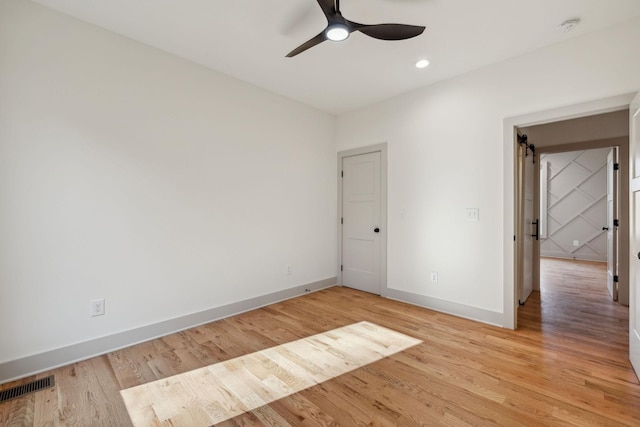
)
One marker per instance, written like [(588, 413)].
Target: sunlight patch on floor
[(227, 389)]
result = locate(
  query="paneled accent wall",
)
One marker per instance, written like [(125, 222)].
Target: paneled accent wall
[(576, 205)]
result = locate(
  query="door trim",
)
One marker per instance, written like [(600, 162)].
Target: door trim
[(613, 249), (509, 139), (382, 149)]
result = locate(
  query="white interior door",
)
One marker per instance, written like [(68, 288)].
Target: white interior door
[(634, 262), (361, 222), (526, 223), (612, 228)]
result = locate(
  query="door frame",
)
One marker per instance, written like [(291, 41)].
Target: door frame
[(382, 149), (613, 213), (510, 159)]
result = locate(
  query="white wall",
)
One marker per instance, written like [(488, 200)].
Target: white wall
[(129, 174), (446, 147)]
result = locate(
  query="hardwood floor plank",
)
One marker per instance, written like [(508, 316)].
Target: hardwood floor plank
[(299, 411), (45, 402), (86, 398), (21, 412), (334, 399)]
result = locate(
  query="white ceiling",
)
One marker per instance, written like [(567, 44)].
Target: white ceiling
[(248, 39)]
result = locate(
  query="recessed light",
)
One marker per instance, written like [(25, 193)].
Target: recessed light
[(423, 63), (568, 25)]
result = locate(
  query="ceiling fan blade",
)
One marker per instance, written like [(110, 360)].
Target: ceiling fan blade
[(389, 31), (308, 44), (328, 7)]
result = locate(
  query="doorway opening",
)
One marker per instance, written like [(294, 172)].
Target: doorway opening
[(510, 126), (573, 215)]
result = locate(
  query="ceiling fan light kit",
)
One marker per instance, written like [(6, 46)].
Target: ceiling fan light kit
[(337, 33), (339, 28)]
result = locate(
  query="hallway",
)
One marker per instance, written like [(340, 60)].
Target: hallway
[(574, 313)]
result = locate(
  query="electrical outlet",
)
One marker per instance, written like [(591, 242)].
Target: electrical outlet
[(434, 277), (472, 214), (576, 243), (288, 270), (97, 308)]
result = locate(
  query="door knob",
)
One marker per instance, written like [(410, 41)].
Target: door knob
[(376, 230), (605, 228)]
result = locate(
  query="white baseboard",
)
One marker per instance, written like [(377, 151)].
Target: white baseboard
[(448, 307), (563, 255), (19, 368)]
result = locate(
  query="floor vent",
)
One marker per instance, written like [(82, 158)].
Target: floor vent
[(24, 389)]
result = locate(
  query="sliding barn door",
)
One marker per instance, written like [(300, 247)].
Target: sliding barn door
[(526, 223), (634, 207)]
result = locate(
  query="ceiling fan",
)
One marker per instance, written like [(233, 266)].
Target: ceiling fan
[(339, 28)]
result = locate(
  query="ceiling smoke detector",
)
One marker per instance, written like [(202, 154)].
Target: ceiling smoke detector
[(568, 25)]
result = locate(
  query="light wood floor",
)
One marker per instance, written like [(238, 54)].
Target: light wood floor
[(566, 364)]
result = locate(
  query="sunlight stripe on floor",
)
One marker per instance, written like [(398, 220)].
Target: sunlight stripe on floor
[(227, 389)]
